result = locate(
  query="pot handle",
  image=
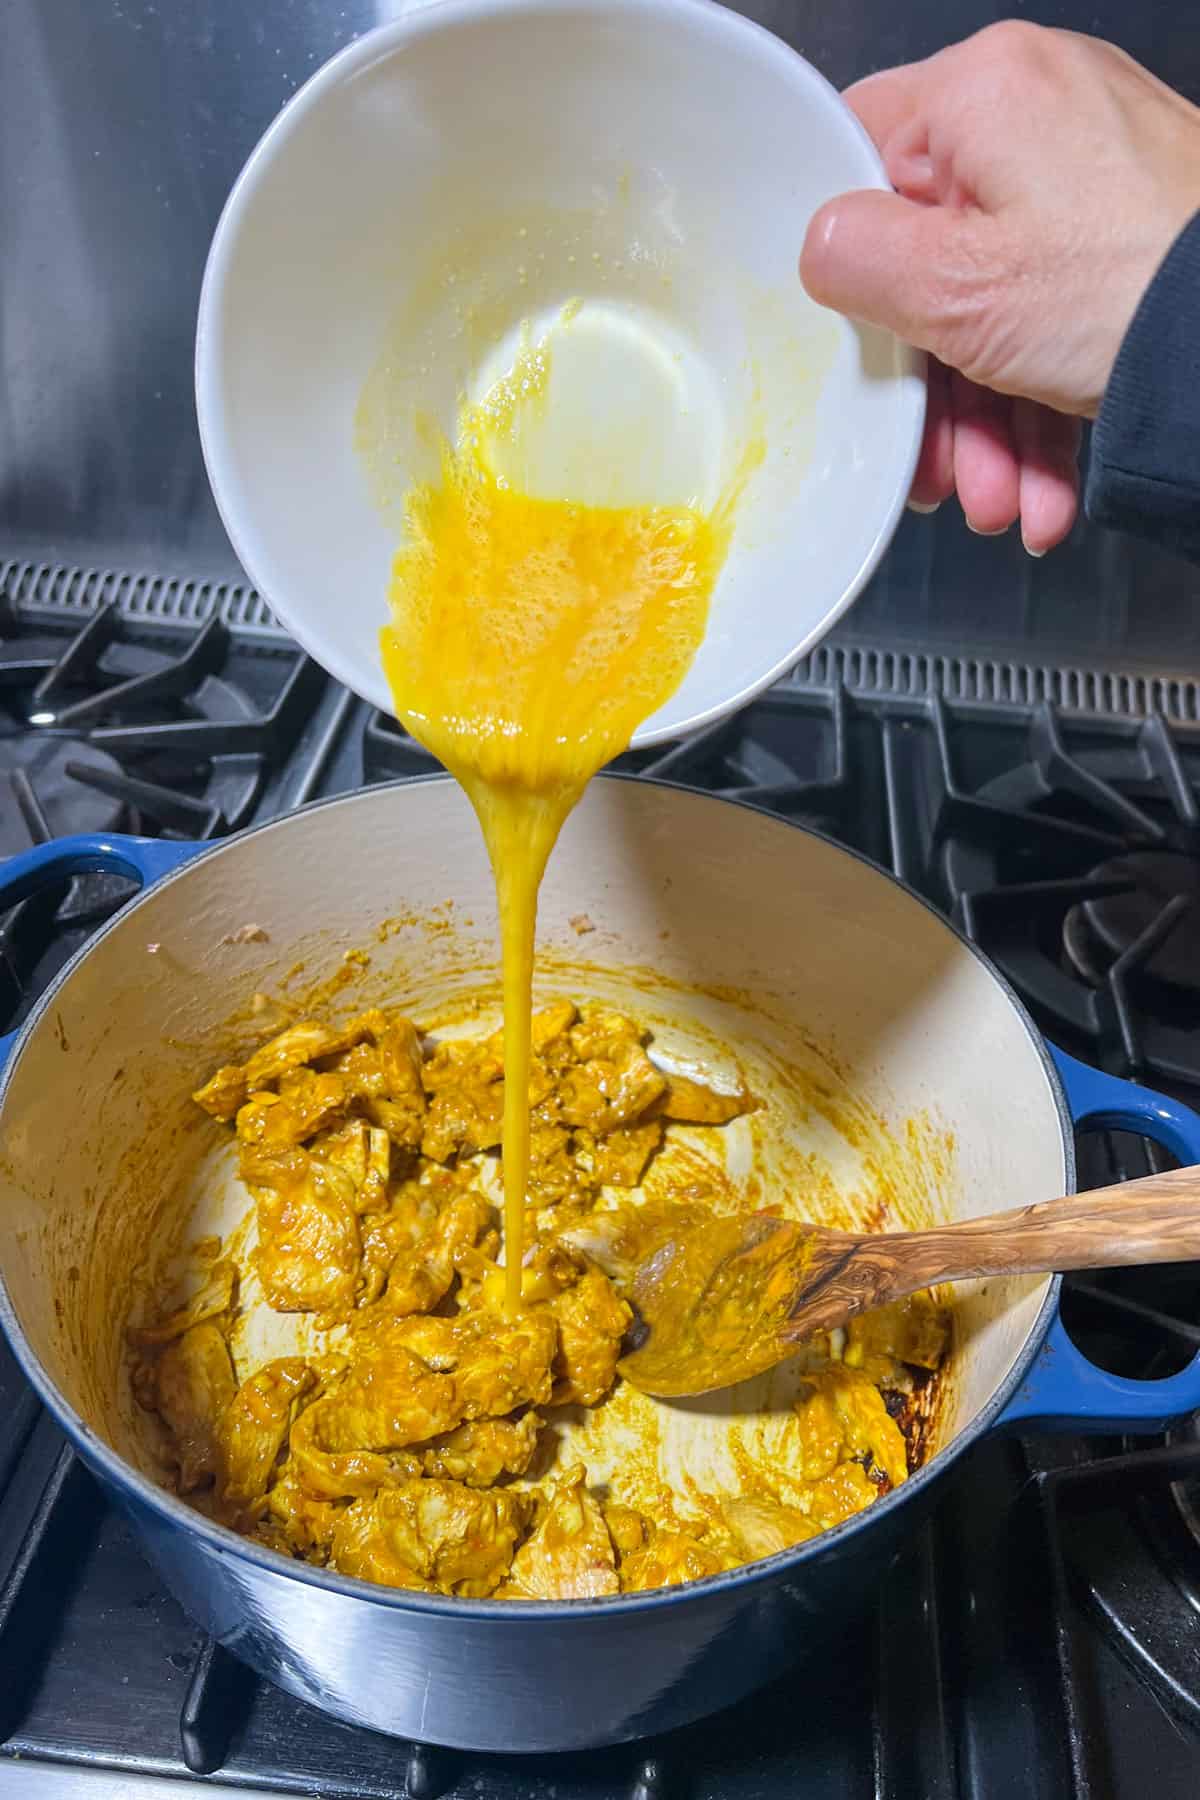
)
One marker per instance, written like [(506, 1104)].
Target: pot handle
[(144, 860), (1063, 1388)]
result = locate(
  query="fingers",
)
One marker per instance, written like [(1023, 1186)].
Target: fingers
[(933, 481), (893, 109), (1005, 459), (889, 102), (987, 474), (1047, 446), (887, 261)]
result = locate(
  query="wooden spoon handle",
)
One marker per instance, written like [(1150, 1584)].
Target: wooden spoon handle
[(1153, 1220)]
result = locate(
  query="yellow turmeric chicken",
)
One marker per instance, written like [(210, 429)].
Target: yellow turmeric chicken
[(426, 1446)]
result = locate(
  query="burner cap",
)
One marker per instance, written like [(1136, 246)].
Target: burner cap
[(1118, 920), (67, 805)]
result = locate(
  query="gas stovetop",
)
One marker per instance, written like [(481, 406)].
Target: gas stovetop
[(1041, 1634)]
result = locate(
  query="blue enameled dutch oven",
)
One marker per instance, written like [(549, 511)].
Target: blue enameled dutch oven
[(709, 918)]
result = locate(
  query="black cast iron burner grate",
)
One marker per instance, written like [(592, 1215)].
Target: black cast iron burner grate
[(104, 727)]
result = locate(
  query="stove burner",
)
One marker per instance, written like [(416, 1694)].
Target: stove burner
[(1082, 950), (1152, 880), (117, 725), (49, 798), (1104, 944), (157, 730)]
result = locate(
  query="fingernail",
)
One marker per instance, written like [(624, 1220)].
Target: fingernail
[(923, 507), (1034, 553), (978, 533)]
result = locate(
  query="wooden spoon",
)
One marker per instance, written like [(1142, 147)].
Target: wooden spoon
[(722, 1299)]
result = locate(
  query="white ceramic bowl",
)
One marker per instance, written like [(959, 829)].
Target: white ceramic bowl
[(477, 163)]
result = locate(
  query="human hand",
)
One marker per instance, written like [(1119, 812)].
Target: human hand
[(1041, 177)]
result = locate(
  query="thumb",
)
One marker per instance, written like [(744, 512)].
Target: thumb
[(889, 262)]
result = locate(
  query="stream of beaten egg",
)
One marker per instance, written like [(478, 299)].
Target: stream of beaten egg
[(529, 638)]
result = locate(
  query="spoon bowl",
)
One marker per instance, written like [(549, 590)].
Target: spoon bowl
[(719, 1300)]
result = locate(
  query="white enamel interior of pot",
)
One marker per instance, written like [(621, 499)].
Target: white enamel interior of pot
[(715, 924)]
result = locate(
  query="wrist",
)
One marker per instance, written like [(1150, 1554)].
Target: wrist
[(1170, 284)]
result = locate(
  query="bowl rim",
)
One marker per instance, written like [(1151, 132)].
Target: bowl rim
[(170, 1509), (430, 18)]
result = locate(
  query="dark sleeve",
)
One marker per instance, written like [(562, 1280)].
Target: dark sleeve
[(1144, 475)]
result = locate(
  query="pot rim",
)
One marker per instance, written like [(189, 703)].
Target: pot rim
[(220, 1540)]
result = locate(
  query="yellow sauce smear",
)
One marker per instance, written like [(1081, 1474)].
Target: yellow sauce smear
[(529, 639)]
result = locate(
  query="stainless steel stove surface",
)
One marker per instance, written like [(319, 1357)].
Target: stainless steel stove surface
[(1042, 1634)]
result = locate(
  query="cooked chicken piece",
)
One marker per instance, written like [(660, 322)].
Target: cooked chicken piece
[(464, 1117), (671, 1557), (194, 1384), (437, 1535), (389, 1398), (352, 1440), (400, 1048), (214, 1298), (347, 1147), (308, 1238), (383, 1079), (253, 1428), (364, 1154), (822, 1440), (401, 1110), (555, 1177), (619, 1160), (839, 1496), (861, 1421), (326, 1475), (361, 1544), (548, 1023), (916, 1331), (304, 1106), (498, 1363), (600, 1031), (223, 1093), (550, 1268), (143, 1379), (628, 1529), (301, 1043), (295, 1523), (610, 1091), (459, 1060), (362, 1071), (761, 1527), (544, 1105), (308, 1041), (419, 1278), (374, 1195), (592, 1319), (467, 1106), (691, 1103), (508, 1366), (373, 1189), (551, 1022), (484, 1451), (570, 1555), (441, 1343), (400, 1122), (414, 1208)]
